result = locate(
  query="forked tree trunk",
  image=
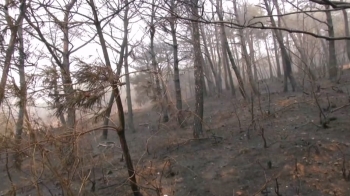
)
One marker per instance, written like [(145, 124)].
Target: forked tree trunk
[(11, 46), (249, 66), (119, 68), (207, 54), (285, 56), (228, 50), (114, 84), (158, 90)]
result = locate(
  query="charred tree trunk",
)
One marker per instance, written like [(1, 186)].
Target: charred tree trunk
[(114, 82), (11, 46), (252, 57), (347, 32), (269, 59), (210, 62), (219, 62), (278, 64), (227, 67), (158, 90), (198, 70), (177, 83), (245, 54), (332, 64), (107, 116), (22, 95), (122, 56), (228, 50), (286, 58), (128, 91)]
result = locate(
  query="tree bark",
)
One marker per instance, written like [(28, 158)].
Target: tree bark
[(252, 57), (198, 71), (286, 58), (158, 91), (107, 116), (228, 50), (11, 46), (347, 32), (23, 85), (66, 74), (114, 82), (219, 62), (119, 68), (269, 59), (227, 67), (245, 53), (128, 91), (278, 64), (177, 83), (332, 64), (210, 62)]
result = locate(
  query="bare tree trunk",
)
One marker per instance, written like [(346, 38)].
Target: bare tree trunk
[(210, 62), (220, 60), (64, 65), (347, 32), (22, 95), (128, 91), (240, 64), (23, 84), (224, 39), (227, 85), (286, 58), (114, 84), (208, 78), (332, 65), (245, 54), (119, 68), (177, 83), (198, 71), (11, 46), (216, 68), (56, 95), (227, 67), (278, 64), (252, 57), (107, 116), (269, 59), (66, 75), (205, 91), (158, 91)]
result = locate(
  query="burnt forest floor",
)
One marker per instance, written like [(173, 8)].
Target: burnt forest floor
[(282, 147)]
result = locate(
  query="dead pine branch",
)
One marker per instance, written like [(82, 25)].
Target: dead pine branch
[(277, 188), (263, 137)]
